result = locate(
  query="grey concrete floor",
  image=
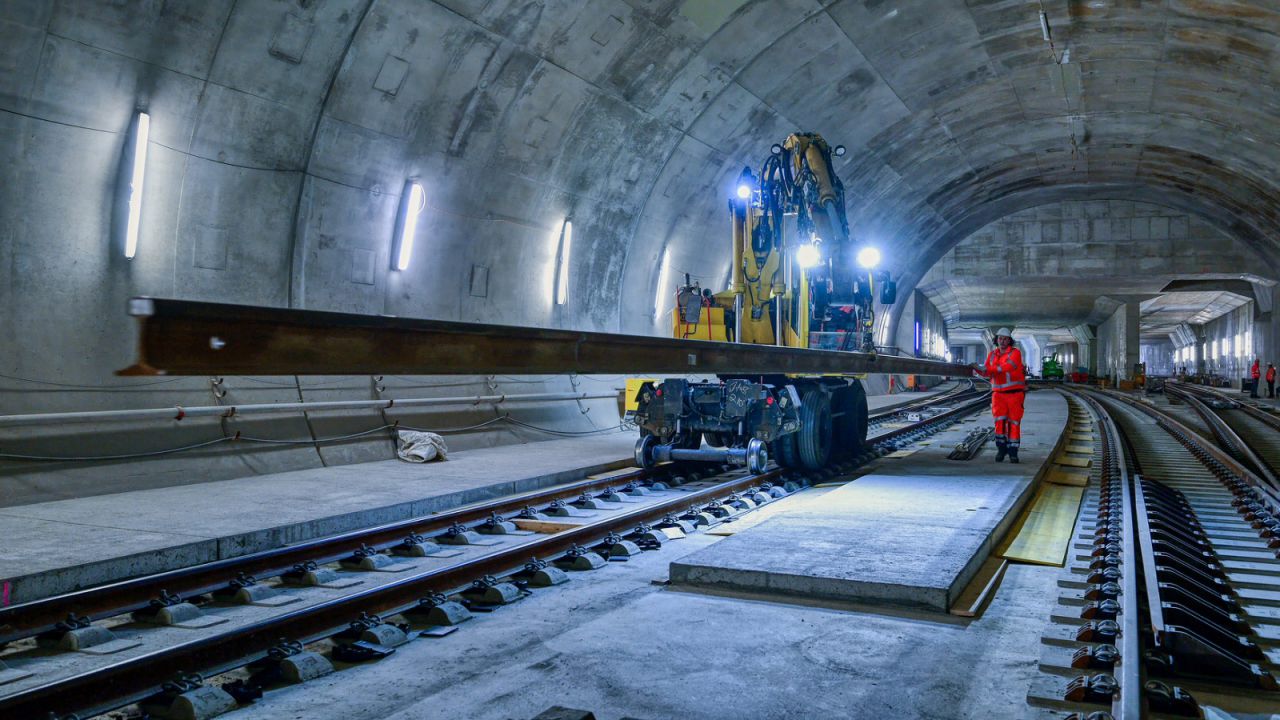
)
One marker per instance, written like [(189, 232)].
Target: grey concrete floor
[(614, 642)]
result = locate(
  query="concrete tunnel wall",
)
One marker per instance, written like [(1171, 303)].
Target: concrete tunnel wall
[(284, 132)]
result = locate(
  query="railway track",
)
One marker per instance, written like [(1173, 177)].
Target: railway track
[(1170, 606), (161, 640)]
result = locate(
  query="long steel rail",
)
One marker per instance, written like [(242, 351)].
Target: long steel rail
[(181, 337)]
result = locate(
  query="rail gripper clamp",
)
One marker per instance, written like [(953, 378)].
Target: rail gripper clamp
[(374, 630), (635, 489), (646, 537), (580, 558), (310, 574), (1095, 657), (559, 508), (459, 535), (619, 549), (540, 573), (437, 609), (1099, 688), (1098, 631), (671, 521), (366, 559), (698, 517), (244, 589), (188, 697), (495, 524), (169, 609), (415, 545), (289, 661), (528, 512), (74, 633), (586, 502), (489, 592)]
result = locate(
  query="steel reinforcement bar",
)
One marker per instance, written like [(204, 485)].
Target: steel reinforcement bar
[(181, 337)]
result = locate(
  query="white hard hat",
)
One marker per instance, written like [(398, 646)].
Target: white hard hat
[(1005, 332)]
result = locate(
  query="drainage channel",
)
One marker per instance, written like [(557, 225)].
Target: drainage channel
[(1176, 552), (165, 653)]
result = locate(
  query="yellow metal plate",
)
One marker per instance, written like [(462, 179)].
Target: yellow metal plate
[(1075, 461), (1044, 530)]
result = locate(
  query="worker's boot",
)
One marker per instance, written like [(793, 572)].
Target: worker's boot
[(1013, 454), (1001, 449)]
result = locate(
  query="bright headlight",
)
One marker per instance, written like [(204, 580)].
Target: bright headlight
[(868, 257)]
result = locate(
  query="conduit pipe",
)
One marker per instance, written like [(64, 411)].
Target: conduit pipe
[(179, 412)]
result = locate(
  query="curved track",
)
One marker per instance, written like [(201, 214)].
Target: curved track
[(1178, 564)]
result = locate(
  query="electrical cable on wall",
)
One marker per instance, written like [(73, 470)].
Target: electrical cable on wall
[(339, 438)]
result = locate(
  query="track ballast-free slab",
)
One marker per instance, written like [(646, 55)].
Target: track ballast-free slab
[(912, 533)]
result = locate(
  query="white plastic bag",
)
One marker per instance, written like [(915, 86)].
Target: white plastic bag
[(420, 447)]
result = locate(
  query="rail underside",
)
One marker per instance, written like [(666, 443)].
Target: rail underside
[(180, 337)]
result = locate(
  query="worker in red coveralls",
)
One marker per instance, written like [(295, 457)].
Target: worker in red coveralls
[(1008, 378), (1255, 372), (1271, 380)]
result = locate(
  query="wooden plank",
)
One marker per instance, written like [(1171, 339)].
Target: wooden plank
[(544, 526)]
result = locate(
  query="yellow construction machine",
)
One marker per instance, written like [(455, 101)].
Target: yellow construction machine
[(797, 281)]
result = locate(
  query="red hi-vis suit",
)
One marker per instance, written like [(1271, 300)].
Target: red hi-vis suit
[(1008, 391)]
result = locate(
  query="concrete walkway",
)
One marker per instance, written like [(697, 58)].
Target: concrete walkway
[(911, 532), (57, 547)]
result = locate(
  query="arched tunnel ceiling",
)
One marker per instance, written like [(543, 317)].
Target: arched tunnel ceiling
[(285, 131)]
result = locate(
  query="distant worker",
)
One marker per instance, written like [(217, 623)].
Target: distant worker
[(1255, 373), (1008, 378), (1271, 380)]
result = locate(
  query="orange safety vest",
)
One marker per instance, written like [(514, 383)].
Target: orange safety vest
[(1254, 370), (1271, 374), (1005, 371)]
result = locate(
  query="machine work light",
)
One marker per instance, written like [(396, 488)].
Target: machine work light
[(808, 255), (744, 191), (868, 257), (137, 174), (412, 203)]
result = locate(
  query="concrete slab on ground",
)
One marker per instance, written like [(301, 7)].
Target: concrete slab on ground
[(67, 545), (911, 532)]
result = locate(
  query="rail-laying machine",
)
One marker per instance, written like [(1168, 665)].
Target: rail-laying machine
[(786, 341), (795, 283)]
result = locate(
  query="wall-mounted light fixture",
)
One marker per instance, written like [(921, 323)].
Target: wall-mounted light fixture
[(412, 201), (562, 262), (137, 175), (663, 269)]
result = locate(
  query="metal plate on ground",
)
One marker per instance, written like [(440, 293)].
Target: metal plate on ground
[(202, 621), (1075, 461), (8, 675), (106, 648), (339, 584), (276, 600)]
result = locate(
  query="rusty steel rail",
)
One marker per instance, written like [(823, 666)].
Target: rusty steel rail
[(180, 337), (132, 679), (104, 601)]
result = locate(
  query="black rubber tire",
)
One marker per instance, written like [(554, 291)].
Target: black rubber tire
[(850, 434), (814, 439), (785, 452)]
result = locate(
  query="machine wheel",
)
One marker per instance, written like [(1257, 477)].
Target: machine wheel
[(757, 456), (814, 438), (850, 429), (786, 452), (644, 451)]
